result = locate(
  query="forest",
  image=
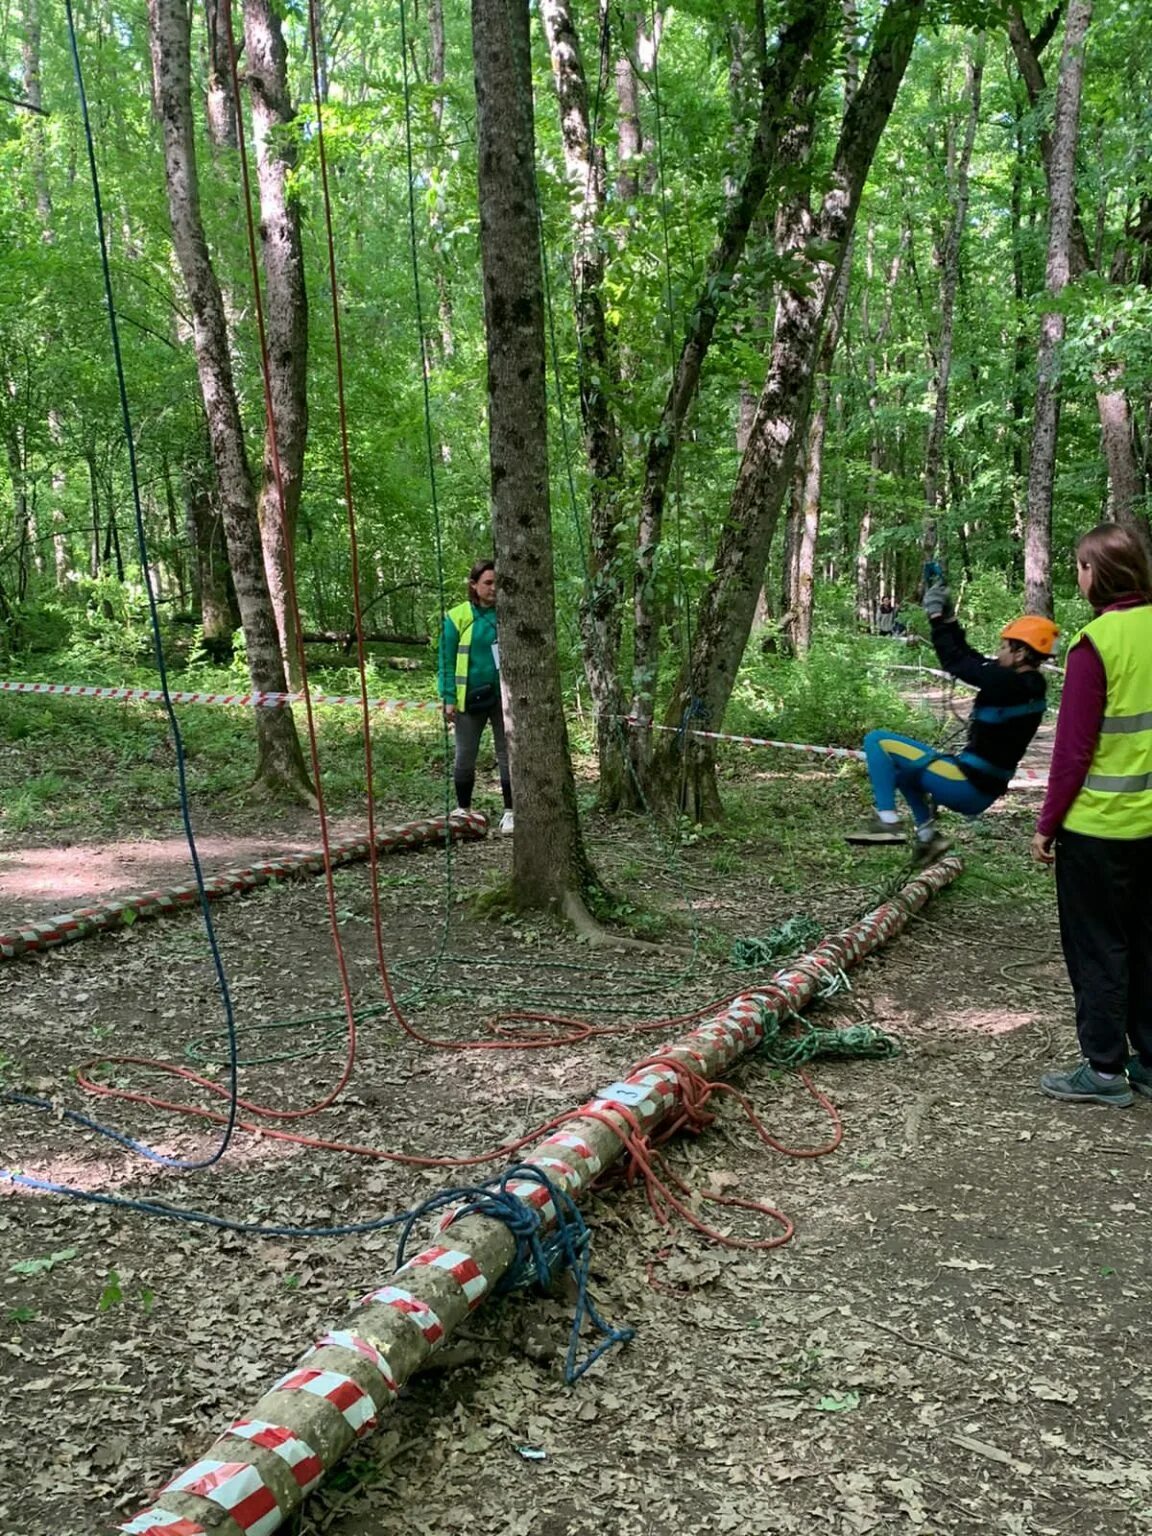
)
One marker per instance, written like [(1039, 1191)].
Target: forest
[(725, 331)]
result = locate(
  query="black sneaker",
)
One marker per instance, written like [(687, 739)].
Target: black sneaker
[(1140, 1076), (926, 853)]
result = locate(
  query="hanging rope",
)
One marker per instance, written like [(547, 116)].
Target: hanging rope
[(222, 987)]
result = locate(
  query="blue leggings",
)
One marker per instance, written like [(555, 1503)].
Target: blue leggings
[(900, 763)]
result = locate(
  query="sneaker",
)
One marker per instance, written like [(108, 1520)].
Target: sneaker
[(506, 824), (1083, 1085), (460, 817), (1140, 1076), (873, 830), (926, 853)]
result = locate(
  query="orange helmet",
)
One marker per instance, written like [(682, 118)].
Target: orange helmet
[(1034, 630)]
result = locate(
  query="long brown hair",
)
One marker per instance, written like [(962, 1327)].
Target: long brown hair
[(476, 572), (1118, 559)]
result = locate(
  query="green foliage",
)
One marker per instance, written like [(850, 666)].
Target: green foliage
[(26, 1268), (831, 698)]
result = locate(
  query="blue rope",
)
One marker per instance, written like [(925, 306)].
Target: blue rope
[(537, 1256), (187, 1165)]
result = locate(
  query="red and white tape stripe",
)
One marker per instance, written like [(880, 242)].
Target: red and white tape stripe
[(419, 1312), (461, 1266), (237, 1487), (348, 1397), (162, 1522), (249, 700), (302, 1461)]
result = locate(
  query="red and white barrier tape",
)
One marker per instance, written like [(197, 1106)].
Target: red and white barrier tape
[(236, 700), (1024, 776)]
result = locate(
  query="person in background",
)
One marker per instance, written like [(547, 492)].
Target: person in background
[(469, 668), (885, 617), (1011, 699), (1096, 824)]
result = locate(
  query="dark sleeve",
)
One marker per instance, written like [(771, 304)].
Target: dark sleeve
[(1000, 684), (1077, 729)]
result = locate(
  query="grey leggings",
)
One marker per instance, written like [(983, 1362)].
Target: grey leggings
[(468, 730)]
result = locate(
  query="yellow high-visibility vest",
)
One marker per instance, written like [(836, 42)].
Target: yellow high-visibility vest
[(463, 618), (1116, 800)]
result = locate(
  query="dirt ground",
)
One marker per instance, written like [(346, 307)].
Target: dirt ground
[(954, 1341)]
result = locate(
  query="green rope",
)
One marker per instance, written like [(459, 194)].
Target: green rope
[(858, 1041), (791, 937)]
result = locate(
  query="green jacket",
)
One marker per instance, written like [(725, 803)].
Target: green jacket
[(467, 655)]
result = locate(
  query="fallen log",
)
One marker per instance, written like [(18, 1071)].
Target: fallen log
[(42, 933), (259, 1471)]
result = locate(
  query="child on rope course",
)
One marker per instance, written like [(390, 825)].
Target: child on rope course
[(1096, 824), (469, 667), (1005, 716)]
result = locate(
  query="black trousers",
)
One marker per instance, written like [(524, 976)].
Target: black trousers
[(1104, 892)]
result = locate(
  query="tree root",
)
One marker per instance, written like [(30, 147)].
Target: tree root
[(575, 911)]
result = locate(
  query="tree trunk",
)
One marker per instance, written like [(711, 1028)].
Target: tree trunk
[(1046, 411), (1125, 480), (280, 760), (1125, 486), (549, 865), (802, 47), (601, 609), (221, 104), (34, 127), (729, 601), (812, 491), (629, 140), (949, 262), (286, 314), (205, 529), (810, 517)]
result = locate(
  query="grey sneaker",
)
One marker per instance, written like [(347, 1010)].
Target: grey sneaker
[(1140, 1076), (1083, 1085), (873, 830), (926, 853)]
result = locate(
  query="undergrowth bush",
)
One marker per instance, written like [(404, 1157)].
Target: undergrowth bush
[(832, 697)]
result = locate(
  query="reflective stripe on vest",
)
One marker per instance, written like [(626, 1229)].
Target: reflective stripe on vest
[(463, 618), (1116, 799)]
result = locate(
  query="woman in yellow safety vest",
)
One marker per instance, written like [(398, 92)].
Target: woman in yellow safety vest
[(470, 685), (1096, 824)]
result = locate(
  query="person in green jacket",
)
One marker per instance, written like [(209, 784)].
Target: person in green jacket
[(470, 685)]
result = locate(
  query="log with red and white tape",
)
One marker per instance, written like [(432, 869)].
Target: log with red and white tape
[(259, 1471), (42, 933)]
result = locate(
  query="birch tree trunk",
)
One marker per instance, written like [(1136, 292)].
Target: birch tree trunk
[(1046, 411), (220, 109), (802, 48), (601, 609), (549, 865), (281, 763), (729, 601), (286, 312), (949, 263)]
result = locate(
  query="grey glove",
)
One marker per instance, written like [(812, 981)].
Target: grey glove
[(938, 602)]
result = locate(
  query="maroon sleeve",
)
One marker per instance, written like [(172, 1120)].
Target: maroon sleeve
[(1077, 729)]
